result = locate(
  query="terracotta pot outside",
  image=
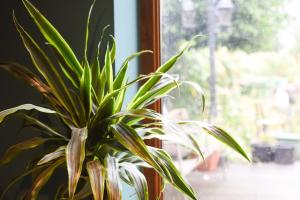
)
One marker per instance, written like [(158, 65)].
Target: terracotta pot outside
[(211, 162)]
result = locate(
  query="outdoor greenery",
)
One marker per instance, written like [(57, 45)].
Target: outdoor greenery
[(246, 96), (97, 139), (257, 66), (253, 26)]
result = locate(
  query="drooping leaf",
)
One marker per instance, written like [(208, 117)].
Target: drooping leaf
[(176, 178), (41, 180), (19, 178), (137, 180), (59, 152), (16, 149), (10, 111), (97, 175), (54, 38), (75, 155), (225, 138), (198, 89), (129, 138), (187, 140), (41, 126), (26, 75), (95, 68), (220, 135), (113, 185), (87, 32), (196, 144)]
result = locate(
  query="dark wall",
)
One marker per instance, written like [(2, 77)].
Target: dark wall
[(69, 17)]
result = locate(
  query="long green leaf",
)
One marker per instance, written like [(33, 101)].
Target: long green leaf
[(16, 149), (176, 178), (129, 138), (163, 68), (113, 50), (117, 92), (187, 140), (120, 100), (71, 75), (220, 135), (54, 37), (95, 68), (86, 90), (75, 155), (113, 186), (120, 79), (46, 68), (225, 138), (108, 70), (159, 90), (97, 175), (7, 112), (87, 32)]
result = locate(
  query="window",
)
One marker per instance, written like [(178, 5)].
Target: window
[(248, 65)]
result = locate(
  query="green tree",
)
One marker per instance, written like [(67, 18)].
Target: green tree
[(254, 24)]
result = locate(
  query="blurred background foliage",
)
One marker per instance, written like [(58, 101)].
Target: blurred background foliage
[(258, 80)]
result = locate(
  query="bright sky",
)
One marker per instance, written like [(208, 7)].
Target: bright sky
[(287, 35)]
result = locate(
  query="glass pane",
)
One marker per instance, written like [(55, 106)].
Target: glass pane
[(247, 62)]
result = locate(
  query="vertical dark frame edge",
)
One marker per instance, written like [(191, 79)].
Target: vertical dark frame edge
[(149, 27)]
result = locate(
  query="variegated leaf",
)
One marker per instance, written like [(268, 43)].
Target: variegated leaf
[(16, 149), (137, 180), (54, 37), (129, 138), (113, 185), (75, 155), (10, 111), (97, 175), (41, 180), (59, 152)]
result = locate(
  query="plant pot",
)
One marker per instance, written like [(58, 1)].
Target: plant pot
[(211, 162), (284, 154), (262, 152)]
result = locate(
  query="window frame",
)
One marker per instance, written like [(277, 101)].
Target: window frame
[(149, 27)]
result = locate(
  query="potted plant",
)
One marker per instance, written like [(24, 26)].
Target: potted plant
[(102, 140)]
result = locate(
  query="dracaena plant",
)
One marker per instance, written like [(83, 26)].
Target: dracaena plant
[(103, 142)]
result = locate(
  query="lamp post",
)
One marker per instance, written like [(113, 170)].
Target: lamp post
[(188, 17), (219, 14)]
